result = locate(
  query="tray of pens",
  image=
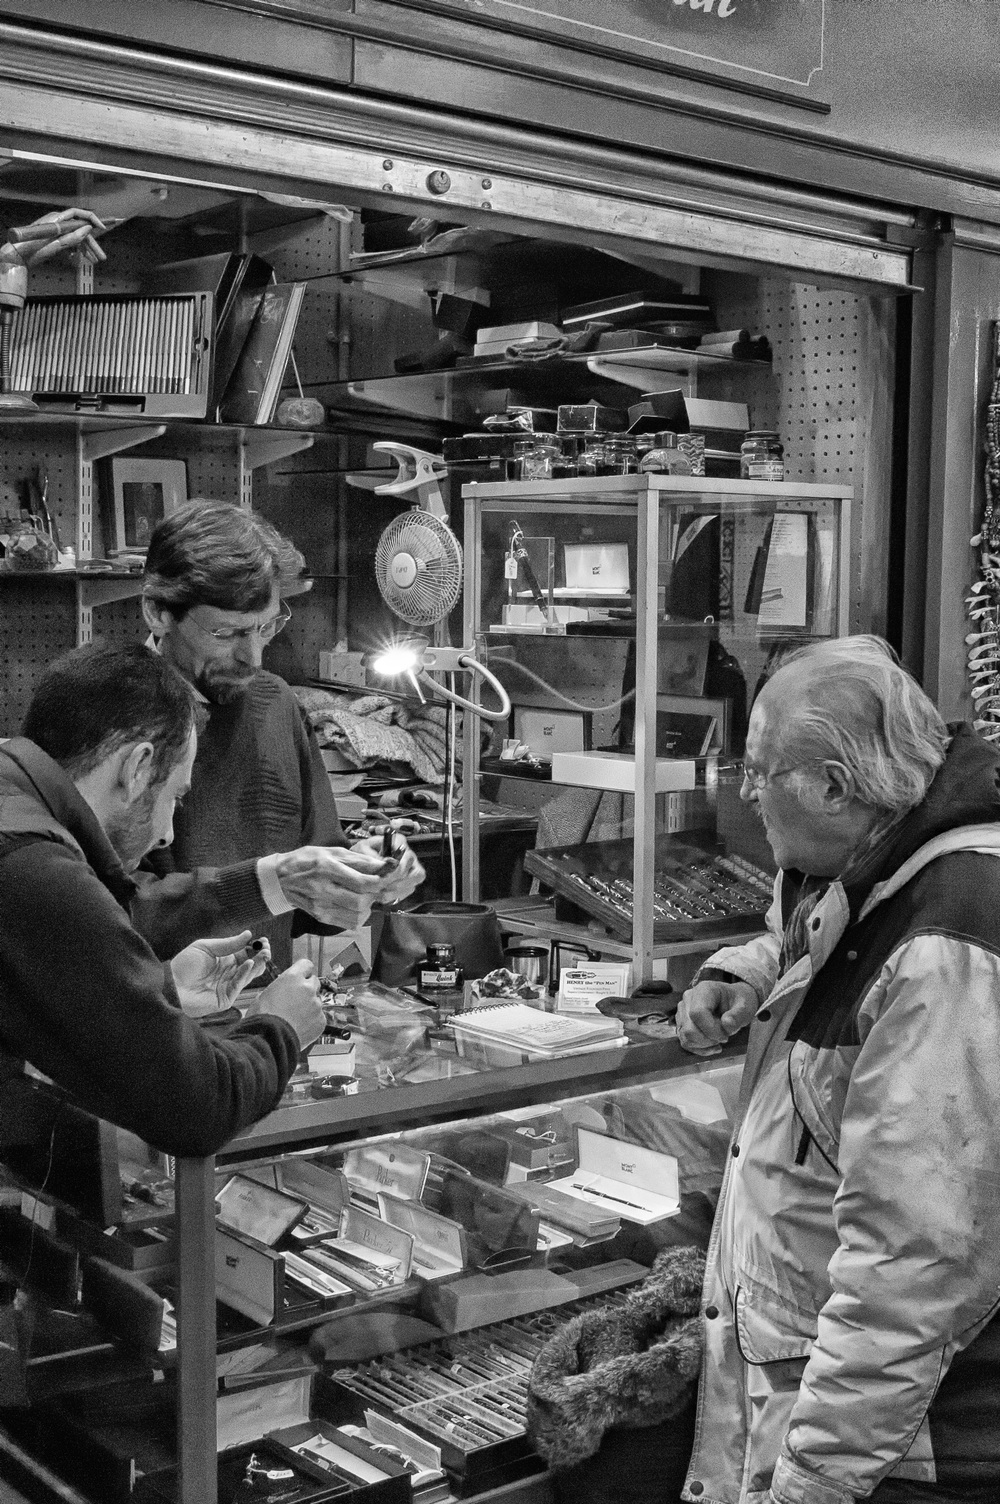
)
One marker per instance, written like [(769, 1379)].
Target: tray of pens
[(466, 1394), (697, 891)]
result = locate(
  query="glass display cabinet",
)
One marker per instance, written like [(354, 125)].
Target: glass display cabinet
[(351, 1293), (630, 619)]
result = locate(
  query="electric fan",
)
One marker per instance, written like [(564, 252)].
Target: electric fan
[(418, 569)]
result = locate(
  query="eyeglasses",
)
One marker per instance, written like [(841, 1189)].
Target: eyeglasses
[(758, 780), (267, 630)]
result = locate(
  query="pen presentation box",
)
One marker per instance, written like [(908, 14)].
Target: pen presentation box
[(267, 1287), (247, 1206), (438, 1250), (475, 1428), (375, 1477), (130, 1308), (587, 1223), (368, 1255), (636, 1184), (268, 1470), (698, 893), (391, 1167)]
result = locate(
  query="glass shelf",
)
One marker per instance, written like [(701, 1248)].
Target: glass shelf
[(467, 393)]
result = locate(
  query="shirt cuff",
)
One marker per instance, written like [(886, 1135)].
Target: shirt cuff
[(270, 886)]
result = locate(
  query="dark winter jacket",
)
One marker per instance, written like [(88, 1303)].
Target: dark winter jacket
[(84, 999)]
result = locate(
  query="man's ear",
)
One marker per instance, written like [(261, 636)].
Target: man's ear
[(156, 618), (134, 771), (838, 791)]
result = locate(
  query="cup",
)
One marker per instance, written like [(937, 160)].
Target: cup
[(530, 962)]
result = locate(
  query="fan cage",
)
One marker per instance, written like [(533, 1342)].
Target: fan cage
[(437, 554)]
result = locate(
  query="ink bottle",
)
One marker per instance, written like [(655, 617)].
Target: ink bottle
[(762, 456), (664, 457), (438, 971)]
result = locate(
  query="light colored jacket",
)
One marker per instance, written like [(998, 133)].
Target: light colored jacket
[(855, 1256)]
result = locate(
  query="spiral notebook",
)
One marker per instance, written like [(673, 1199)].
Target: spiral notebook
[(516, 1027)]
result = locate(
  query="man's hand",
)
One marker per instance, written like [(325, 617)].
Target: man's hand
[(332, 883), (711, 1012), (294, 996), (210, 974), (401, 879)]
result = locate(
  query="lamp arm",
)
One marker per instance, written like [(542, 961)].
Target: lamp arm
[(473, 666)]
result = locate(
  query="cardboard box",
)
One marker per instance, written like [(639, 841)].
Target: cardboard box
[(616, 770), (343, 668)]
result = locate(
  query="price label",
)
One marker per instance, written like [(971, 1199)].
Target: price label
[(510, 568)]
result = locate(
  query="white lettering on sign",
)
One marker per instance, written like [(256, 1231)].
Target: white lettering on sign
[(725, 8)]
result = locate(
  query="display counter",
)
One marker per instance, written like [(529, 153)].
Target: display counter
[(358, 1272)]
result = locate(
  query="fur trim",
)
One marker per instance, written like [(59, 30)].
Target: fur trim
[(628, 1365)]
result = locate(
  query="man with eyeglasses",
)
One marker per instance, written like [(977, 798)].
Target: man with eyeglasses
[(852, 1342), (257, 842)]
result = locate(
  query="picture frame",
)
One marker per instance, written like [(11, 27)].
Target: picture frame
[(143, 492)]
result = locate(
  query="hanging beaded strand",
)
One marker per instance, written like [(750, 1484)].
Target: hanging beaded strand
[(983, 602)]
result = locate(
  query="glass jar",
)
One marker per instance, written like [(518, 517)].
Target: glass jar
[(438, 972), (664, 457), (762, 456), (537, 462), (566, 466), (619, 457), (590, 458)]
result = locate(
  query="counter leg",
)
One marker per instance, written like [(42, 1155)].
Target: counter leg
[(194, 1186)]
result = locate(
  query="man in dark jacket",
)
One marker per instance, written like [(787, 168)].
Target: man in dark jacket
[(109, 742), (258, 841)]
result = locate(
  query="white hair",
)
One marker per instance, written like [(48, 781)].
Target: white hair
[(858, 706)]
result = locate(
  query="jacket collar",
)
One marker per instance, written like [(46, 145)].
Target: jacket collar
[(960, 810), (53, 808)]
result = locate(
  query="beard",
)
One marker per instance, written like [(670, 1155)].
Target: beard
[(132, 835), (222, 685)]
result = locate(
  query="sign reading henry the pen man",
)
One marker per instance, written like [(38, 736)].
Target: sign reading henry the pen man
[(776, 43)]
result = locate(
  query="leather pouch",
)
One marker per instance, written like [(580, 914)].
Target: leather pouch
[(472, 928)]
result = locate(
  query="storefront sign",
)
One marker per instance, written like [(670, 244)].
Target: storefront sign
[(775, 43)]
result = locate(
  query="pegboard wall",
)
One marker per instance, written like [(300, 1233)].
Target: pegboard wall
[(828, 395)]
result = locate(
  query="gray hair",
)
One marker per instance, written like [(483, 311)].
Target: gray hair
[(860, 707)]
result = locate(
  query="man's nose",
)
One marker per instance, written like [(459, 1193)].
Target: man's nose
[(747, 791), (250, 650)]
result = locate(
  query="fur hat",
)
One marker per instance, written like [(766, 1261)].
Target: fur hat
[(628, 1365)]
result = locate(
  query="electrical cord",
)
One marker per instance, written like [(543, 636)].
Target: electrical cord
[(473, 666), (566, 699)]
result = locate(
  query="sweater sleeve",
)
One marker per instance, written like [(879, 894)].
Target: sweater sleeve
[(85, 1000), (173, 909), (321, 824)]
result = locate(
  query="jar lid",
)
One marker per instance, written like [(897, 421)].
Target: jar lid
[(665, 440), (440, 951), (762, 433)]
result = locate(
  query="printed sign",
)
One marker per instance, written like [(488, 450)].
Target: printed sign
[(776, 43)]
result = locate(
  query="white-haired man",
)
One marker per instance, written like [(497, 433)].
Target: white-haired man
[(853, 1277)]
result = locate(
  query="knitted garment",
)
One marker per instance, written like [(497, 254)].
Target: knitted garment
[(258, 787), (373, 729), (630, 1365)]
